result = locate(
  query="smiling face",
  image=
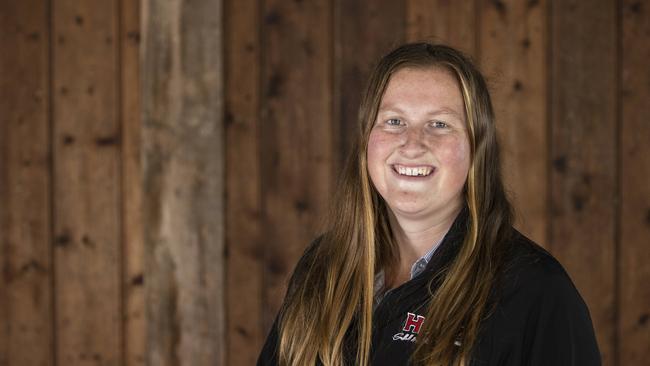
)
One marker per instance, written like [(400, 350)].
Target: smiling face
[(418, 150)]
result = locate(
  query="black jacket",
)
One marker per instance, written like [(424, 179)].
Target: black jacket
[(538, 317)]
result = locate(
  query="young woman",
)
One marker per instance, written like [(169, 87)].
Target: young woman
[(420, 263)]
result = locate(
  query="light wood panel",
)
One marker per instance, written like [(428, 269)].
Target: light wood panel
[(183, 171), (634, 173), (583, 152), (87, 183), (25, 208), (514, 61), (245, 267)]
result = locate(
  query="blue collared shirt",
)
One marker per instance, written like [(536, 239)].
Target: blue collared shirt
[(416, 269)]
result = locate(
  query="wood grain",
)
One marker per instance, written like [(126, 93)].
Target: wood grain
[(358, 21), (87, 192), (514, 60), (245, 266), (297, 145), (583, 151), (634, 174), (25, 208), (183, 182), (133, 253), (443, 21)]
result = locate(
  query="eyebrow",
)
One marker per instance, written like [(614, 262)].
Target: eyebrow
[(441, 110)]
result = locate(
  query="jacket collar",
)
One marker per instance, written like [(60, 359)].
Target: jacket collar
[(416, 292)]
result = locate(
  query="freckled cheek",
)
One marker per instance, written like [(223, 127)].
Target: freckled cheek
[(454, 153), (378, 148), (378, 151)]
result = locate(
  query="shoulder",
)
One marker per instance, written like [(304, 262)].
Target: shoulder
[(306, 264), (533, 283), (269, 352), (528, 264), (537, 315), (310, 256)]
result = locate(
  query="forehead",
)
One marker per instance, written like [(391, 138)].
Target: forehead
[(434, 87)]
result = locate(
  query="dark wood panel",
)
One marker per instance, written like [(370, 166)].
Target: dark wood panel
[(634, 271), (296, 132), (243, 187), (87, 183), (133, 253), (583, 152), (514, 60), (365, 31), (25, 220), (183, 182), (443, 21)]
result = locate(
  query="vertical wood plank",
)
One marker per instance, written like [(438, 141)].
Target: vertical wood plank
[(25, 220), (366, 30), (297, 130), (87, 184), (443, 21), (243, 187), (583, 151), (183, 181), (133, 253), (634, 248), (513, 58)]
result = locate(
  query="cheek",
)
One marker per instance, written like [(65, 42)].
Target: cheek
[(378, 151), (377, 148), (455, 155)]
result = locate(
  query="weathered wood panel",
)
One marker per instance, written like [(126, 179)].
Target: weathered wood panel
[(443, 21), (583, 153), (87, 189), (25, 210), (297, 135), (513, 58), (357, 22), (634, 173), (183, 182), (243, 186), (133, 253)]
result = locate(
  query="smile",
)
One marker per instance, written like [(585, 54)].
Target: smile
[(415, 171)]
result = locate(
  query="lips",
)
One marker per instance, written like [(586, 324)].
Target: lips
[(413, 170)]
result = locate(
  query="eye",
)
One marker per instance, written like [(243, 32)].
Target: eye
[(394, 122), (439, 124)]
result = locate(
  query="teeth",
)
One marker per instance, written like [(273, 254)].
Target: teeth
[(414, 172)]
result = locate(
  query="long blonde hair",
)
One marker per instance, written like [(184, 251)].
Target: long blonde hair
[(333, 285)]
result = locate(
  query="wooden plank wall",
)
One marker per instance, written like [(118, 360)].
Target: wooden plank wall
[(569, 84), (86, 183), (91, 158), (633, 272), (182, 170), (69, 182), (583, 130), (26, 316)]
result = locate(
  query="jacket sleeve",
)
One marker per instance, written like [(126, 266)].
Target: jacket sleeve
[(558, 329)]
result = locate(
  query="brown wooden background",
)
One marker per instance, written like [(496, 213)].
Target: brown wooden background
[(164, 163)]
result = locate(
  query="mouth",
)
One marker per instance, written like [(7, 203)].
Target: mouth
[(413, 171)]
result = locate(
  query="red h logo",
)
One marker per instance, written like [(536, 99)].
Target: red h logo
[(413, 323)]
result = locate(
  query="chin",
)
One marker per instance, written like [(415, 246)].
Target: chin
[(410, 209)]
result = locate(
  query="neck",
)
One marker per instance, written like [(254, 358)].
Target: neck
[(416, 236)]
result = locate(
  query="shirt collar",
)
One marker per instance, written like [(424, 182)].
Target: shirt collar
[(418, 267)]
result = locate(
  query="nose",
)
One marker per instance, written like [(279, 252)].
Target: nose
[(413, 144)]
